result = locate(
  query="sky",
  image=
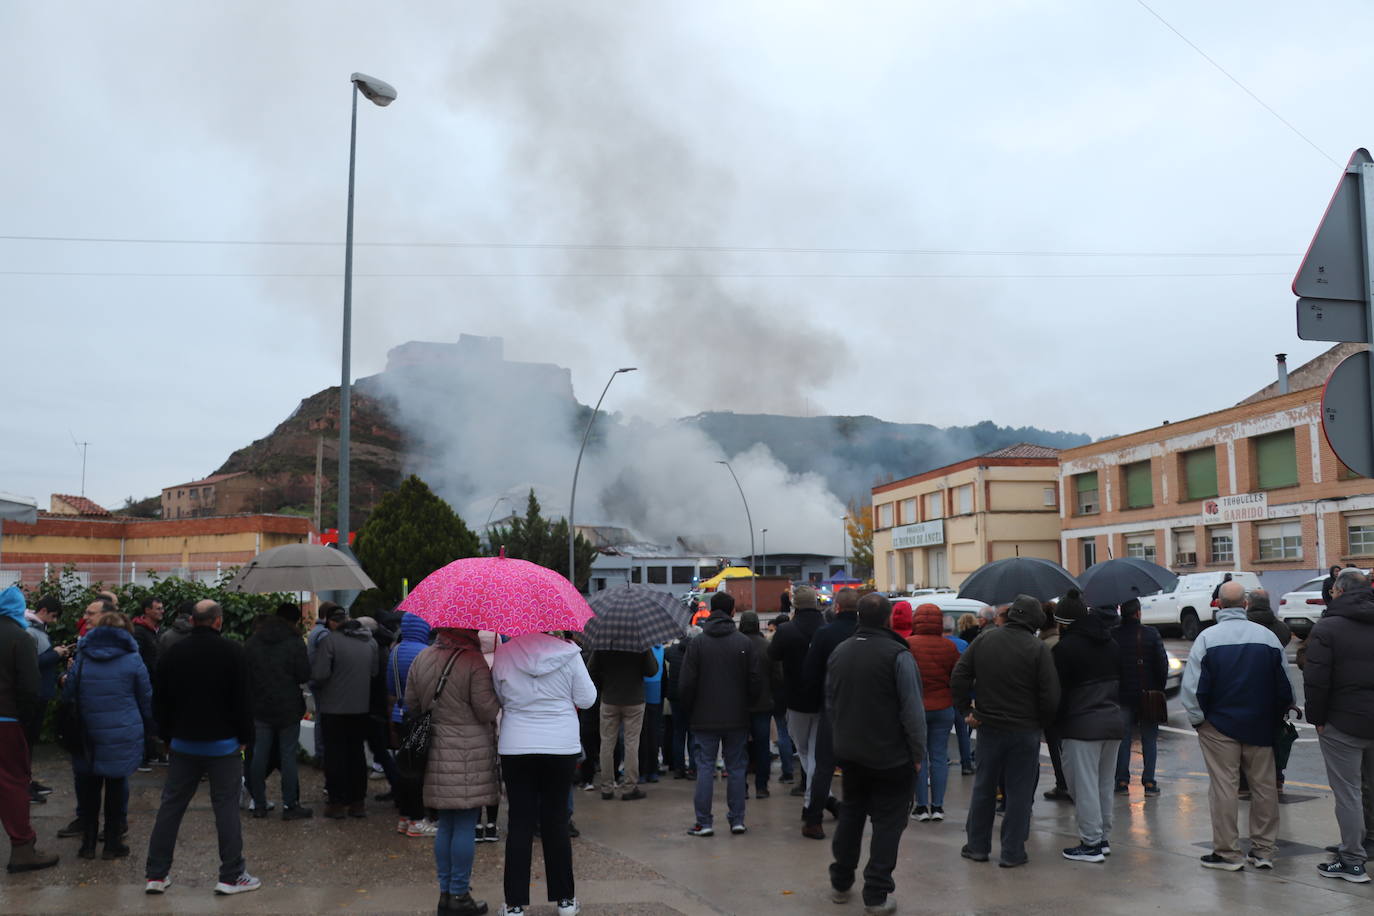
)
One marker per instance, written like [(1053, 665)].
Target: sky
[(1044, 213)]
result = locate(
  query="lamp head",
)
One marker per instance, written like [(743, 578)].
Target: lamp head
[(627, 369), (377, 91)]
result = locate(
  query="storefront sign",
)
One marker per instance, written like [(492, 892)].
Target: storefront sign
[(1243, 507), (925, 534)]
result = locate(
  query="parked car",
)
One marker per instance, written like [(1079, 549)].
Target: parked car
[(1303, 606), (1174, 679), (1188, 607)]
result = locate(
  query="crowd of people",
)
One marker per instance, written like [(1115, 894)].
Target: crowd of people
[(870, 689)]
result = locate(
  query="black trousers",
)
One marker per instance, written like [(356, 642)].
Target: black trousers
[(90, 786), (825, 772), (884, 796), (537, 792), (345, 767), (650, 738)]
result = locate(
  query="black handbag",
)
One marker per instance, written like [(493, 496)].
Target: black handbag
[(1154, 706), (68, 724), (417, 730)]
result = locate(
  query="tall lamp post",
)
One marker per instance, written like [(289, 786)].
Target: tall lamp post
[(844, 541), (764, 564), (572, 499), (383, 95), (754, 579)]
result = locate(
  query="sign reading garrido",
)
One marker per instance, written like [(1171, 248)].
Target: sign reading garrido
[(1243, 507)]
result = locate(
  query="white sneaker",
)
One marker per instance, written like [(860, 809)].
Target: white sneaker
[(403, 825), (512, 910), (157, 886), (422, 828), (569, 907), (243, 885)]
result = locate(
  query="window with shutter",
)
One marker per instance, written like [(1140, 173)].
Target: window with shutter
[(1220, 544), (1276, 459), (1139, 489), (1200, 473), (1279, 540), (1141, 546), (1185, 548), (1359, 533), (1085, 486)]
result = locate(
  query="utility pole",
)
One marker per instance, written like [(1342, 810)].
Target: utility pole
[(83, 446), (319, 470)]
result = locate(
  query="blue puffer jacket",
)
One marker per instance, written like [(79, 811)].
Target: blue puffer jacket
[(414, 640), (116, 701)]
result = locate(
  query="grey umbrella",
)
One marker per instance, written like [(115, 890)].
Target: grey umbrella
[(1118, 580), (631, 618), (301, 568)]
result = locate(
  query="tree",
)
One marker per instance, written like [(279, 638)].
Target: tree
[(545, 543), (410, 534), (858, 522)]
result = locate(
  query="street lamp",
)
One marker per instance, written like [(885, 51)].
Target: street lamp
[(754, 579), (383, 95), (764, 564), (572, 499), (844, 541)]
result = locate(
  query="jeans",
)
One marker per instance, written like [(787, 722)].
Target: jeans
[(818, 785), (731, 745), (650, 737), (454, 848), (1013, 759), (612, 718), (183, 778), (760, 753), (1088, 767), (785, 749), (1149, 747), (116, 795), (885, 797), (1346, 758), (934, 775), (345, 767), (537, 791), (286, 737), (965, 743), (15, 775)]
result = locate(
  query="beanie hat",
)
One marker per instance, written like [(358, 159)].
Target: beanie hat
[(901, 618), (1070, 608), (804, 596), (749, 622)]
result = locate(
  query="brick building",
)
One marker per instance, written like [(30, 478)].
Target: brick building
[(220, 494), (935, 528), (1252, 487)]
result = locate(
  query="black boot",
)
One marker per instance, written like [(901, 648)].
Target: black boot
[(89, 829), (442, 909), (464, 905)]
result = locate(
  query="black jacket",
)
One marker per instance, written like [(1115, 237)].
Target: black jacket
[(18, 671), (818, 656), (619, 676), (1152, 654), (772, 680), (201, 690), (873, 701), (1265, 617), (673, 657), (1088, 662), (1338, 678), (789, 647), (1013, 673), (146, 637), (277, 667), (722, 676)]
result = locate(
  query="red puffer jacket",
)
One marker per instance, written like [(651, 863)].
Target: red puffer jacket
[(935, 655)]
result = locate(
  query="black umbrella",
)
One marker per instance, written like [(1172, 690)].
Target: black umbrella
[(1115, 581), (1000, 581)]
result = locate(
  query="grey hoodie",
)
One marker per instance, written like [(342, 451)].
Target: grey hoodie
[(342, 671)]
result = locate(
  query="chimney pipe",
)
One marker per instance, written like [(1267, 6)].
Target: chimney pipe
[(1282, 359)]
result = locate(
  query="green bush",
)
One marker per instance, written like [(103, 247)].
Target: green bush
[(240, 608)]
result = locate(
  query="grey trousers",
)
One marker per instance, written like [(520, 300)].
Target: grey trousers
[(1348, 760), (802, 727), (183, 779), (1090, 768)]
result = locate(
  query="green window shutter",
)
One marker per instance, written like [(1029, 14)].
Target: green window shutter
[(1277, 458), (1200, 473), (1085, 482), (1139, 490)]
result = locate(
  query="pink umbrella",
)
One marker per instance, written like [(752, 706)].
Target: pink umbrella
[(498, 594)]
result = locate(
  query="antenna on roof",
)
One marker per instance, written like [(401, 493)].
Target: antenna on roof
[(82, 447)]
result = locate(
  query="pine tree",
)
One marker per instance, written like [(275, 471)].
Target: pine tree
[(544, 542), (410, 534)]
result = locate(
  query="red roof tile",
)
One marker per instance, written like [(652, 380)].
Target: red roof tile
[(82, 505)]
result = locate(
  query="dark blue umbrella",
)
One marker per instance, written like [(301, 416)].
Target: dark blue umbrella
[(632, 618), (1116, 581), (1000, 581)]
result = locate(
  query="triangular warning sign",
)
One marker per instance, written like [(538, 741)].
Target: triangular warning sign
[(1333, 267)]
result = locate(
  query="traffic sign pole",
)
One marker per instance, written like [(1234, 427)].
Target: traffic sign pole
[(1367, 238)]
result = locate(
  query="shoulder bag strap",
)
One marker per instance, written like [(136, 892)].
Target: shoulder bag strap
[(443, 678), (396, 673)]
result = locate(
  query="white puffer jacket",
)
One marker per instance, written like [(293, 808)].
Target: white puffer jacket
[(541, 682)]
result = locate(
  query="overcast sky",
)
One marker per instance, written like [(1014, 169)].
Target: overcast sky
[(906, 139)]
